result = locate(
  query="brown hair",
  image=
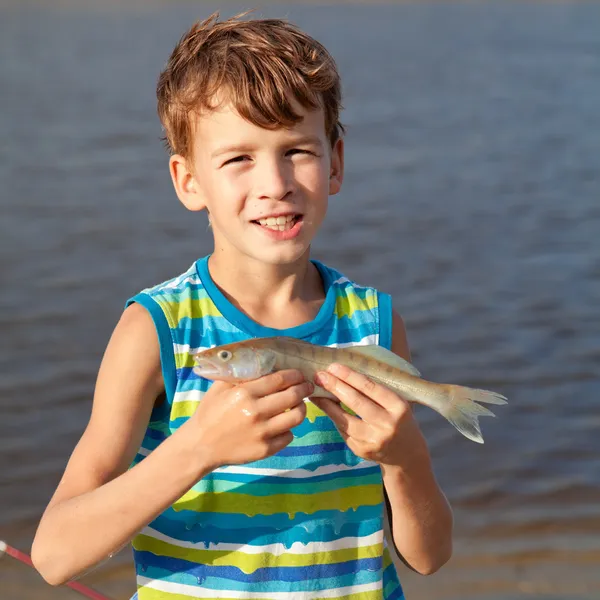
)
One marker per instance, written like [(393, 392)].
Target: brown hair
[(263, 66)]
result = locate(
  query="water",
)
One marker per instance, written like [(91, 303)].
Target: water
[(472, 195)]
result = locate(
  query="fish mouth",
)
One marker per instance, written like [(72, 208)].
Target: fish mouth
[(207, 369)]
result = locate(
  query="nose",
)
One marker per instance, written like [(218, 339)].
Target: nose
[(274, 179)]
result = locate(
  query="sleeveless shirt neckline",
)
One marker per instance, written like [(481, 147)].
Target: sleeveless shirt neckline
[(243, 322)]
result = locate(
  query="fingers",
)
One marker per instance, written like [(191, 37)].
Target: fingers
[(275, 404), (361, 403), (348, 425), (283, 422), (274, 382), (279, 442)]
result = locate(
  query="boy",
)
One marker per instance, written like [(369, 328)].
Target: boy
[(223, 500)]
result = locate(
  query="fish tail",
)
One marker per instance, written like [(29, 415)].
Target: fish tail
[(463, 411)]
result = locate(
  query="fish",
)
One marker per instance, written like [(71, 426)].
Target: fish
[(254, 358)]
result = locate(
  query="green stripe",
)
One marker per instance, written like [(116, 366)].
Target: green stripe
[(245, 504), (260, 488), (249, 563)]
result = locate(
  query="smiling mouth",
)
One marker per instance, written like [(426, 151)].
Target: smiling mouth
[(283, 223)]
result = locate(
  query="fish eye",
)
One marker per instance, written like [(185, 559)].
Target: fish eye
[(224, 355)]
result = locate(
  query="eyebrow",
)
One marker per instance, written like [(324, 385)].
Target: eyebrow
[(236, 148), (242, 148)]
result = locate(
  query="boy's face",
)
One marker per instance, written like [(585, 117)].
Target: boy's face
[(246, 176)]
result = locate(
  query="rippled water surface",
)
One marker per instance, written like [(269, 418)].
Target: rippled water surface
[(472, 195)]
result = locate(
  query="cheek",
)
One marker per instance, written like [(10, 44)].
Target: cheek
[(228, 193), (313, 177), (245, 372)]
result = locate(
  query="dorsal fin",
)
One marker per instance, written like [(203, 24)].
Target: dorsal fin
[(386, 356)]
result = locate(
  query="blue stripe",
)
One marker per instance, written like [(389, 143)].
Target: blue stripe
[(397, 594), (265, 575), (153, 434), (311, 463), (266, 587), (315, 530), (389, 575), (167, 356), (248, 478), (318, 425), (281, 521), (385, 320), (314, 449)]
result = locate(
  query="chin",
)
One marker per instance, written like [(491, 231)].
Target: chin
[(282, 256)]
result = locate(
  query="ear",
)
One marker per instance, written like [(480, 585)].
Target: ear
[(336, 176), (186, 186)]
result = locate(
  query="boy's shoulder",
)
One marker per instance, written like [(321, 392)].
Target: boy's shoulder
[(341, 281)]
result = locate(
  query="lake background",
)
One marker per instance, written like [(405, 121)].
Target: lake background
[(472, 195)]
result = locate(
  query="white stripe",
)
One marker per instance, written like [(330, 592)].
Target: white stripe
[(296, 473), (366, 341), (198, 592), (188, 396), (275, 549), (183, 279), (187, 349), (352, 283)]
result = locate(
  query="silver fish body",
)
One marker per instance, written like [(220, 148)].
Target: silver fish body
[(243, 361)]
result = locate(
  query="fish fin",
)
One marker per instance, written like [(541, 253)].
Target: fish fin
[(320, 392), (463, 411), (388, 357)]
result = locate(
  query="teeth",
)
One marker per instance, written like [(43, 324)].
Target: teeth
[(277, 223)]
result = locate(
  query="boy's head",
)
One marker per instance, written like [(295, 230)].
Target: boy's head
[(265, 68), (251, 114)]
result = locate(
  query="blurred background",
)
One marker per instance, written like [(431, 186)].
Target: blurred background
[(472, 195)]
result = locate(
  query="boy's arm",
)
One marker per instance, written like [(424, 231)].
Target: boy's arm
[(100, 505), (420, 515)]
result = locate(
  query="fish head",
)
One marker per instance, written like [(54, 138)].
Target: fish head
[(234, 363)]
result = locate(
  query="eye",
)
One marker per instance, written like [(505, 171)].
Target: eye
[(301, 151), (224, 355), (237, 159)]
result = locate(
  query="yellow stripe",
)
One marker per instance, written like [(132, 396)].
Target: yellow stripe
[(372, 595), (148, 593), (188, 308), (184, 360), (248, 563), (184, 409), (345, 306), (387, 559), (313, 412), (246, 504)]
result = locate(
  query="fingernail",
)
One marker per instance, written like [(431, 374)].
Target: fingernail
[(336, 369), (321, 379)]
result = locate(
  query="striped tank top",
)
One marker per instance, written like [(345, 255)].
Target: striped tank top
[(306, 523)]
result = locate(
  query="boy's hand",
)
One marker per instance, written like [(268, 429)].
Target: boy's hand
[(386, 431), (236, 424)]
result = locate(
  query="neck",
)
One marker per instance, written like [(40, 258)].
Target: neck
[(267, 293)]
